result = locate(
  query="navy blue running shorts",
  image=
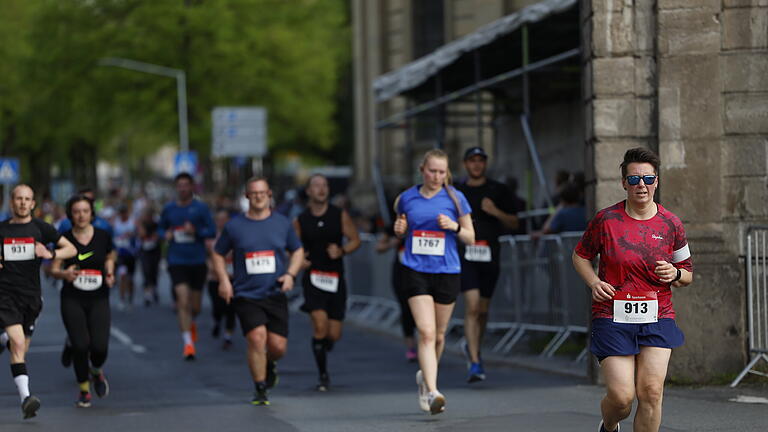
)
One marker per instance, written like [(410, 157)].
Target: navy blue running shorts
[(620, 339)]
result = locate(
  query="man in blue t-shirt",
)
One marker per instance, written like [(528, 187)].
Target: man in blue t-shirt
[(185, 224), (264, 272)]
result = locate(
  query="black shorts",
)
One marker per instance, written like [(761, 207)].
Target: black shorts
[(19, 309), (192, 275), (334, 304), (443, 287), (271, 312), (128, 262), (479, 275)]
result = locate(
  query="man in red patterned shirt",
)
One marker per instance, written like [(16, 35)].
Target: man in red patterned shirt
[(643, 254)]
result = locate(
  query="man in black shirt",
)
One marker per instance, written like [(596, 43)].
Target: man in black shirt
[(24, 246), (492, 215), (321, 227)]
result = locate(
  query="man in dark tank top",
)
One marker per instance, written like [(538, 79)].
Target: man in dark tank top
[(322, 228)]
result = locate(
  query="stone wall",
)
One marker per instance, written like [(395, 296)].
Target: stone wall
[(688, 78)]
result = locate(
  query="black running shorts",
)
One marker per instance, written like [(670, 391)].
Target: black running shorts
[(334, 304), (443, 287), (479, 275), (19, 309), (192, 275), (271, 312)]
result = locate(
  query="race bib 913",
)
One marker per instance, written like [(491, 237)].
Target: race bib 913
[(635, 307)]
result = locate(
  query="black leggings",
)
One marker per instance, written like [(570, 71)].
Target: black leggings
[(87, 321), (150, 265), (401, 291), (220, 307)]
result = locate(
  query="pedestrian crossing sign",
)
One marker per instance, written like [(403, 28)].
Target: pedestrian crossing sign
[(9, 170), (185, 162)]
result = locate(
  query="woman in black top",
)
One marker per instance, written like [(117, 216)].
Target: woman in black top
[(85, 311)]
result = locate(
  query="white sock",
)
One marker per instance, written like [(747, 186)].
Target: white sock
[(187, 336), (22, 384), (4, 338)]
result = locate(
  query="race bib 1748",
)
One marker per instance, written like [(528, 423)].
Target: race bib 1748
[(19, 248), (428, 243), (260, 262), (88, 280), (635, 307)]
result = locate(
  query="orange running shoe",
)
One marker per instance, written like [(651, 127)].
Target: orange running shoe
[(189, 352), (193, 331)]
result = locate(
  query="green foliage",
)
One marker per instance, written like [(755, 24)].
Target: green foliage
[(54, 98)]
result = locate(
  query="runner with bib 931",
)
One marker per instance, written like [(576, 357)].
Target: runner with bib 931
[(643, 254), (432, 217)]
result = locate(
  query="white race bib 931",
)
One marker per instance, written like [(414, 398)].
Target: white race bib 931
[(260, 262), (19, 248), (88, 280), (635, 307), (428, 243)]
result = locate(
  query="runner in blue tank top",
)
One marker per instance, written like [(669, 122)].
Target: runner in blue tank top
[(185, 224), (431, 218), (264, 272)]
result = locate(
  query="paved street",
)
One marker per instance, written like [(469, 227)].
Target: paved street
[(373, 389)]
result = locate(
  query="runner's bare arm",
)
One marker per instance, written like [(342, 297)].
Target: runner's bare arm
[(220, 267), (65, 249), (109, 267), (509, 220), (601, 291), (294, 265), (466, 231), (350, 232)]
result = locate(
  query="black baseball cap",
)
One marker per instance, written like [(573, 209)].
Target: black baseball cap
[(475, 151)]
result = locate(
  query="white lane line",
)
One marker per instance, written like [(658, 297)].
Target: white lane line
[(749, 399), (126, 340)]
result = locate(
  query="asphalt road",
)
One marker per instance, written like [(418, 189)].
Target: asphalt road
[(373, 388)]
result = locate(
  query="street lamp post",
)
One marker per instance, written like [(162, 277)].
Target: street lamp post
[(181, 88)]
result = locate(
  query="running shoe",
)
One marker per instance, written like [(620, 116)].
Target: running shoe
[(324, 384), (193, 331), (601, 428), (100, 385), (30, 406), (66, 354), (476, 373), (436, 402), (411, 355), (423, 392), (84, 400), (189, 352), (272, 377), (260, 396)]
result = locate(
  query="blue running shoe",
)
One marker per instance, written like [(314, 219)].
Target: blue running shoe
[(476, 373)]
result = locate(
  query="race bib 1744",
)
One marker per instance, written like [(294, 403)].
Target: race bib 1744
[(478, 252), (635, 307), (428, 243), (326, 281), (19, 248)]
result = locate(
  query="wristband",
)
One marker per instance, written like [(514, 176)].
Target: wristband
[(53, 252), (678, 276), (458, 229)]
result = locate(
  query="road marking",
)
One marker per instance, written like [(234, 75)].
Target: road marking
[(126, 340), (749, 399)]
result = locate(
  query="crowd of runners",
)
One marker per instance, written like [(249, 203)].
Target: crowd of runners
[(446, 234)]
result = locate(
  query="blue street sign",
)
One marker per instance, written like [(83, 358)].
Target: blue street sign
[(9, 170), (185, 162)]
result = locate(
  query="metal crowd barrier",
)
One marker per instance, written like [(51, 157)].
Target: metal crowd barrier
[(538, 292), (757, 299)]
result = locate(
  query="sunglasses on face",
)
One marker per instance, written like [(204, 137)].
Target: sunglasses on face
[(634, 180)]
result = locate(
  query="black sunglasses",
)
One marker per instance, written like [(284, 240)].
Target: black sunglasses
[(634, 180)]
